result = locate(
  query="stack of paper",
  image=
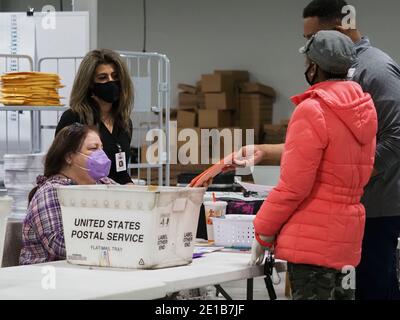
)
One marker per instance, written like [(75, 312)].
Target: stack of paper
[(21, 171), (262, 190), (30, 89)]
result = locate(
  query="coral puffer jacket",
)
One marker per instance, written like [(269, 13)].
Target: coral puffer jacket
[(328, 158)]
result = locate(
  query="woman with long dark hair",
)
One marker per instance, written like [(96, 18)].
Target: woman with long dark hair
[(102, 96), (75, 157)]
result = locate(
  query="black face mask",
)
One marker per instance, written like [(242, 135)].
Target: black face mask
[(311, 81), (108, 91)]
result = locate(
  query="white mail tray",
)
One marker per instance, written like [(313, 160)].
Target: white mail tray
[(130, 226)]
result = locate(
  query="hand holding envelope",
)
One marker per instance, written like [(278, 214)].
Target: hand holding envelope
[(204, 179), (246, 157)]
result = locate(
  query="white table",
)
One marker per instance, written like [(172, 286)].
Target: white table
[(211, 269), (35, 282), (82, 282)]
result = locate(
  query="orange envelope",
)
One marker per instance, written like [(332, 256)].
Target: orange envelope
[(223, 165)]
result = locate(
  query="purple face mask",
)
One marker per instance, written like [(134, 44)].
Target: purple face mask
[(98, 165)]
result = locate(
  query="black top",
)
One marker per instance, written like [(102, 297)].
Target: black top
[(111, 143)]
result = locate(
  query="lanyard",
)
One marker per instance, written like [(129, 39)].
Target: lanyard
[(119, 147)]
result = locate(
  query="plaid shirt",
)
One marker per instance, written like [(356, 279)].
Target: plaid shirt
[(42, 232)]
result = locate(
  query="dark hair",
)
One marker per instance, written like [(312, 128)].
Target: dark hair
[(325, 10), (68, 140), (81, 101)]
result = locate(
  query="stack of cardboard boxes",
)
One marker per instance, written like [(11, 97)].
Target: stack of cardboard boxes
[(221, 95), (225, 100), (191, 99), (212, 104), (256, 107), (275, 133)]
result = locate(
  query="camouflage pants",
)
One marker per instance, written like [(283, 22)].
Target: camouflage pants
[(317, 283)]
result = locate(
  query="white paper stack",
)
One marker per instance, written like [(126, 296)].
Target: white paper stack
[(20, 175)]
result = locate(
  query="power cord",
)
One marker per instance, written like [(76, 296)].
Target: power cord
[(144, 25)]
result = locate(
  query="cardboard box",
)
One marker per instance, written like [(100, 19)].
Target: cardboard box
[(222, 142), (239, 76), (188, 147), (255, 111), (254, 87), (254, 99), (217, 83), (285, 122), (173, 114), (199, 86), (236, 117), (201, 100), (187, 88), (176, 143), (211, 142), (195, 130), (274, 134), (186, 119), (220, 101), (215, 118), (208, 144), (188, 100), (152, 157), (255, 114)]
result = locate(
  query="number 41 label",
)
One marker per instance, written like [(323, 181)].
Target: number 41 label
[(164, 221)]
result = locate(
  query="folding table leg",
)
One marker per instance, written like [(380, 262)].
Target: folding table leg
[(250, 288), (223, 292)]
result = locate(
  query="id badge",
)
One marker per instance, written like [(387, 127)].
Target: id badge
[(120, 161)]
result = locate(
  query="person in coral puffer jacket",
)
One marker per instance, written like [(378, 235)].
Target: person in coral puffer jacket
[(313, 218)]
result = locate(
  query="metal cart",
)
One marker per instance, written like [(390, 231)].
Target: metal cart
[(152, 112)]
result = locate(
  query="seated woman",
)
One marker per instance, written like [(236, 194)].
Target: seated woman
[(75, 157)]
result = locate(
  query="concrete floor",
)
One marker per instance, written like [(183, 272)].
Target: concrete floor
[(237, 290)]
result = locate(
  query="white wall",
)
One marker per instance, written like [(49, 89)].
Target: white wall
[(259, 35), (91, 7), (379, 20), (200, 36)]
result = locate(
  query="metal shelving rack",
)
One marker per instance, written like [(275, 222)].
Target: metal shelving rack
[(156, 67), (36, 145), (35, 139), (153, 65)]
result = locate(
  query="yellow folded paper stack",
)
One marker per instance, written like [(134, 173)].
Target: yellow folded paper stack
[(30, 89)]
